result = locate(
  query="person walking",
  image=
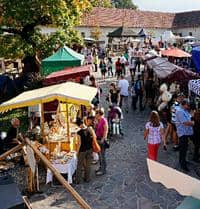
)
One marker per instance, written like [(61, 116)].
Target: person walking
[(132, 66), (101, 133), (123, 61), (109, 66), (154, 133), (123, 86), (118, 68), (184, 128), (139, 89), (103, 68), (96, 61)]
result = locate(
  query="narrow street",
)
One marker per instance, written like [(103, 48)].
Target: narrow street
[(127, 184)]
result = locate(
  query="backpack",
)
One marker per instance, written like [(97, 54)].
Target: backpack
[(138, 86)]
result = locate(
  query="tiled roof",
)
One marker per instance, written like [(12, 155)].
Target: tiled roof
[(187, 19), (111, 17)]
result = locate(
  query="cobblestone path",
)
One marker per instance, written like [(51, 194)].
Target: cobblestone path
[(127, 184)]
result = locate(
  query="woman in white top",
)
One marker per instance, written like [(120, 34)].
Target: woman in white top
[(154, 132), (132, 66)]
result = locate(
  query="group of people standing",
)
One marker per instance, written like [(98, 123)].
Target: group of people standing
[(93, 128), (180, 123)]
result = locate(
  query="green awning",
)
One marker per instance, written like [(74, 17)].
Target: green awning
[(64, 57)]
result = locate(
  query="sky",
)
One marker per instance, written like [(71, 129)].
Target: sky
[(168, 5)]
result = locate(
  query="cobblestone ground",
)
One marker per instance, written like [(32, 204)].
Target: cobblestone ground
[(127, 184)]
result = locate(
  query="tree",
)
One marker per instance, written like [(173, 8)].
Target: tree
[(124, 4), (20, 22), (96, 33), (101, 3)]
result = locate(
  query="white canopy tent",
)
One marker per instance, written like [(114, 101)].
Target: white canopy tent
[(168, 36)]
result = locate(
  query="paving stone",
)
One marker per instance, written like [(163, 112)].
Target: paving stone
[(144, 203), (127, 184)]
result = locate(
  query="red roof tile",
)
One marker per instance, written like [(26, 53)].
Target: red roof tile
[(111, 17)]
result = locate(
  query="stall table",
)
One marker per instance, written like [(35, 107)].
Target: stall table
[(68, 167)]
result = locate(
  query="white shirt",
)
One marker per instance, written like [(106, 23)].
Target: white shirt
[(123, 60), (131, 63), (123, 85)]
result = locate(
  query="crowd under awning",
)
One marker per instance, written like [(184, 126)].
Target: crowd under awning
[(68, 92), (166, 70)]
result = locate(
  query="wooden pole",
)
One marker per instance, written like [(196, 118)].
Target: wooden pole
[(13, 150), (68, 129), (59, 177), (42, 120)]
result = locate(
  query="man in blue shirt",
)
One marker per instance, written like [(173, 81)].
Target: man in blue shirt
[(184, 131)]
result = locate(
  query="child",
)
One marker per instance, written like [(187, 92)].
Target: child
[(114, 120)]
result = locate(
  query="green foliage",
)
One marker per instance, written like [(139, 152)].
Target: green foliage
[(101, 3), (21, 18), (124, 4), (21, 114)]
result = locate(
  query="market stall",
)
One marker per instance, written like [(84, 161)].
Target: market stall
[(64, 57), (75, 73), (161, 66), (59, 135), (181, 76)]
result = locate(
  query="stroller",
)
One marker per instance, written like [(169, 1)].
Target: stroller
[(115, 121)]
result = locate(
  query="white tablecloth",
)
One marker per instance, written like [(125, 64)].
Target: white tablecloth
[(69, 167)]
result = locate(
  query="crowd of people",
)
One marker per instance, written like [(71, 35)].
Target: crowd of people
[(172, 120), (175, 121)]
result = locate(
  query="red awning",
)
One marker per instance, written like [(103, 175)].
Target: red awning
[(175, 52), (74, 73), (181, 75)]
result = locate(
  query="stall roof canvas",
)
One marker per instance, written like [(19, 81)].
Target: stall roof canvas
[(68, 92), (122, 32), (64, 57), (143, 33)]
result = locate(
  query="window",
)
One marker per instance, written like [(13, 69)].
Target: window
[(83, 34)]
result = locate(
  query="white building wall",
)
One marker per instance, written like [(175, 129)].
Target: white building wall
[(185, 32), (155, 32)]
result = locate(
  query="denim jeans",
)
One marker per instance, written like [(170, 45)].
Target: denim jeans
[(102, 158)]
